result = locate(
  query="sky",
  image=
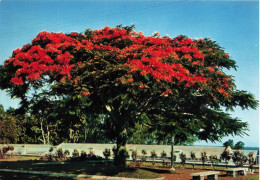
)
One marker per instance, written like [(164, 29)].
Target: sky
[(233, 24)]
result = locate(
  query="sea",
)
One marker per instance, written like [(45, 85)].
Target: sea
[(251, 148)]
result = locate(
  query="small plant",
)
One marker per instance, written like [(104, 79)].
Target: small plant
[(75, 154), (11, 148), (153, 155), (91, 153), (251, 161), (204, 158), (51, 149), (239, 158), (59, 153), (121, 158), (107, 153), (144, 153), (134, 155), (193, 157), (83, 155), (163, 156), (4, 150), (66, 154), (225, 156), (114, 151), (183, 159), (213, 160)]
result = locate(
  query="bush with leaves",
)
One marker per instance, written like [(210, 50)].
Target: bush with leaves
[(66, 154), (204, 158), (214, 160), (251, 161), (75, 154), (193, 157), (134, 155), (91, 153), (107, 153), (59, 153), (144, 153), (83, 155), (153, 155), (239, 158), (121, 158), (183, 159), (225, 156)]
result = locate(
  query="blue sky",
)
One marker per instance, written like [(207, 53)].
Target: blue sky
[(233, 24)]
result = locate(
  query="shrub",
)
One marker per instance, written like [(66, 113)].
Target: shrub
[(121, 158), (66, 153), (239, 158), (11, 148), (114, 151), (107, 153), (59, 153), (91, 153), (153, 154), (83, 155), (163, 154), (75, 154), (192, 155), (204, 157), (134, 155), (51, 149), (144, 153), (183, 158), (5, 149)]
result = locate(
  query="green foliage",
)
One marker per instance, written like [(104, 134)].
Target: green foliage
[(107, 153), (239, 158), (226, 156), (192, 155), (75, 154), (183, 158), (230, 143), (114, 83), (59, 153), (9, 127), (120, 159), (239, 145), (204, 157), (153, 154), (163, 154), (83, 155), (134, 155), (66, 153)]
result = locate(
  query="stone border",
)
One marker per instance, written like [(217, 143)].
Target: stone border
[(73, 175)]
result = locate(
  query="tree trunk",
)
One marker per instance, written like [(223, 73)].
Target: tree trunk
[(119, 159), (48, 135), (172, 154), (43, 133)]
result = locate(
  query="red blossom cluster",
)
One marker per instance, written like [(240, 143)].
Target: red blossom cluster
[(179, 61)]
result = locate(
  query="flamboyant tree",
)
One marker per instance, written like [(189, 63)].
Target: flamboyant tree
[(176, 85)]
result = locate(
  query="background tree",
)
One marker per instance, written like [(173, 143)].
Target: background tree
[(173, 85), (9, 129), (239, 145), (229, 142)]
